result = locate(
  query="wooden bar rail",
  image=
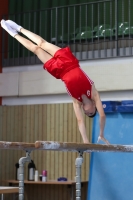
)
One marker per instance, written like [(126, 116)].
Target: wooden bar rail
[(65, 146), (17, 145)]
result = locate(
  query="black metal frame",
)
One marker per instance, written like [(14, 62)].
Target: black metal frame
[(63, 25)]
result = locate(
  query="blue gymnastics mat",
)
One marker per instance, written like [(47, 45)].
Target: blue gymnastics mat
[(111, 174)]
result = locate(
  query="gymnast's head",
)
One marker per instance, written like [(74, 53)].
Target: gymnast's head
[(90, 109)]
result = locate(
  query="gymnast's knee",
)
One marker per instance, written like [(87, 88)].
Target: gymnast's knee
[(36, 50), (41, 42)]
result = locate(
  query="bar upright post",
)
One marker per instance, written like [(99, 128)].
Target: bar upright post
[(21, 174), (78, 164)]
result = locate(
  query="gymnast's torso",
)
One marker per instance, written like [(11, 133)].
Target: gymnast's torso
[(65, 66)]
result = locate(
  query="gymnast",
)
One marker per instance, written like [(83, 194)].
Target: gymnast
[(62, 64)]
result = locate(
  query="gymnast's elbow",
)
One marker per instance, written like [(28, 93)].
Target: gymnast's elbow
[(80, 121), (103, 116)]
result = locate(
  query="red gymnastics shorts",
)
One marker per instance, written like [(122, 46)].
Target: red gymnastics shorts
[(62, 62)]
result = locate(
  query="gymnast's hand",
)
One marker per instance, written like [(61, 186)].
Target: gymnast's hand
[(103, 139)]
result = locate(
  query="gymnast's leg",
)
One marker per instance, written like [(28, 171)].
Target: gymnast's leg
[(42, 55), (50, 48)]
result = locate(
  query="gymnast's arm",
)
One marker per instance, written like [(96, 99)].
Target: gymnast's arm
[(102, 116), (80, 119)]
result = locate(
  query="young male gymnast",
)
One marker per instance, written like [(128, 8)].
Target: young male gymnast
[(61, 63)]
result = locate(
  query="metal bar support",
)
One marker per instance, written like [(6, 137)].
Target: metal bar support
[(78, 164), (21, 174)]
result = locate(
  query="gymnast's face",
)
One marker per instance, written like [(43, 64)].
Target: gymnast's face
[(89, 108)]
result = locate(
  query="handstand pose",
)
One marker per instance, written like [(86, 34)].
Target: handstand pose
[(61, 63)]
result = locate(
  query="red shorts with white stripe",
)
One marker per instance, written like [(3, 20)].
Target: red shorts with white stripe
[(78, 83), (65, 66), (62, 62)]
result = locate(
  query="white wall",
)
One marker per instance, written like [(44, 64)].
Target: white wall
[(33, 85)]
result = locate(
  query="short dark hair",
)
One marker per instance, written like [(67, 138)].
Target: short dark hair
[(91, 116)]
